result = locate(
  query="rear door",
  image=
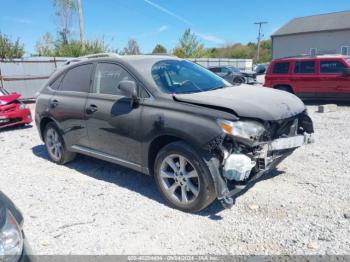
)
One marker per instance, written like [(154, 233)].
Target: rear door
[(113, 123), (333, 84), (67, 105), (305, 78)]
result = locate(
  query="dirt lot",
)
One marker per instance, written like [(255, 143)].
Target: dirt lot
[(93, 207)]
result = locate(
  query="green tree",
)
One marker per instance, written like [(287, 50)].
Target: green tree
[(159, 49), (189, 46), (10, 49), (75, 48)]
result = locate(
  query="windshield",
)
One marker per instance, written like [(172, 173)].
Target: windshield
[(181, 76), (234, 69)]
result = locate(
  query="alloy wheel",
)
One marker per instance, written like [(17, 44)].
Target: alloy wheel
[(54, 144), (179, 179)]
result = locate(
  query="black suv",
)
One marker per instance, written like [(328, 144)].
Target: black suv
[(200, 137)]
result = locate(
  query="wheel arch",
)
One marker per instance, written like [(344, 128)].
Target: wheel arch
[(161, 141), (284, 87)]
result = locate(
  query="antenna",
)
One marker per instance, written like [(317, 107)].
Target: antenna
[(259, 39)]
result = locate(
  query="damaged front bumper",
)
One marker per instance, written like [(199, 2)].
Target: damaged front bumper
[(269, 155)]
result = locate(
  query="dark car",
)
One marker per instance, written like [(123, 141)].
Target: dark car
[(261, 69), (13, 244), (234, 75), (200, 137)]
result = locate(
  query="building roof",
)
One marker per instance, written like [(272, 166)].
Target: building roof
[(316, 23)]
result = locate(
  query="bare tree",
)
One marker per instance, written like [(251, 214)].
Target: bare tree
[(132, 48), (64, 11)]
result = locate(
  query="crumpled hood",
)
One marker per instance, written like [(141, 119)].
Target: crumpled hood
[(249, 101), (4, 100)]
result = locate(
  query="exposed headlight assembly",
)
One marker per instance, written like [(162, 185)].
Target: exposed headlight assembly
[(22, 106), (250, 130), (11, 238)]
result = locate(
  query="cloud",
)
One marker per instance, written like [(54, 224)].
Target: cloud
[(162, 28), (211, 38), (17, 20), (164, 10), (206, 37)]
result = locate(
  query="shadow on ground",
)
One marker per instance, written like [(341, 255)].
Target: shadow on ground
[(12, 128), (135, 181)]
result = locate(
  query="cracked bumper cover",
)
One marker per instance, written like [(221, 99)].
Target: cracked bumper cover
[(272, 153)]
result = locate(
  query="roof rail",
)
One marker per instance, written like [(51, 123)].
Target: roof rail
[(100, 55), (92, 56), (312, 56)]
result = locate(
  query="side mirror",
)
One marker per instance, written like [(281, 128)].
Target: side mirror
[(128, 88), (346, 72)]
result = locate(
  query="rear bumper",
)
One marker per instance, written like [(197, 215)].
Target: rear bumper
[(17, 117)]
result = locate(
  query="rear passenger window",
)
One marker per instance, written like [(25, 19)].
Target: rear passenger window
[(306, 67), (107, 78), (331, 67), (56, 83), (77, 79), (215, 69), (281, 68)]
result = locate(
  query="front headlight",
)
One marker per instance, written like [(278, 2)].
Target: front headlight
[(22, 106), (244, 129), (11, 239)]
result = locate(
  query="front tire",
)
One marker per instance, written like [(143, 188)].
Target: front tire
[(183, 178), (55, 145), (238, 80)]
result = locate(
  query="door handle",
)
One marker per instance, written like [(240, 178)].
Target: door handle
[(54, 103), (91, 109)]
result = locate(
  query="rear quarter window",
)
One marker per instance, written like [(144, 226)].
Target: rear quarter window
[(281, 68), (77, 79), (331, 67)]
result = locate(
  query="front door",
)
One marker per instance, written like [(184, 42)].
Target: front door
[(113, 123), (333, 84)]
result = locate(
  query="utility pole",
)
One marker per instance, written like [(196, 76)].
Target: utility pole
[(259, 39), (81, 23)]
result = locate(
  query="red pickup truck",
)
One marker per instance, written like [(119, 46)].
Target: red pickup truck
[(320, 77)]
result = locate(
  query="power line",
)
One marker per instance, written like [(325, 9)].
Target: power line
[(260, 24)]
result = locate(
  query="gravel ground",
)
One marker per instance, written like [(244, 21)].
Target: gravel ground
[(93, 207)]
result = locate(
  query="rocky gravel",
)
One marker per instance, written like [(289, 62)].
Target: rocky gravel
[(94, 207)]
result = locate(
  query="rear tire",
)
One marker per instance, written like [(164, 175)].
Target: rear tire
[(183, 178), (55, 145)]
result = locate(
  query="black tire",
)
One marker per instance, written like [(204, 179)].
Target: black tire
[(238, 80), (65, 156), (284, 88), (206, 191)]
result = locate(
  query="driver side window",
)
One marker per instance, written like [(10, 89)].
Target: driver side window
[(107, 78)]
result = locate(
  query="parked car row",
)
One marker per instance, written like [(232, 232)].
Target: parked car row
[(234, 75)]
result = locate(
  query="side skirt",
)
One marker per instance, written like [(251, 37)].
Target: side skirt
[(109, 158)]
